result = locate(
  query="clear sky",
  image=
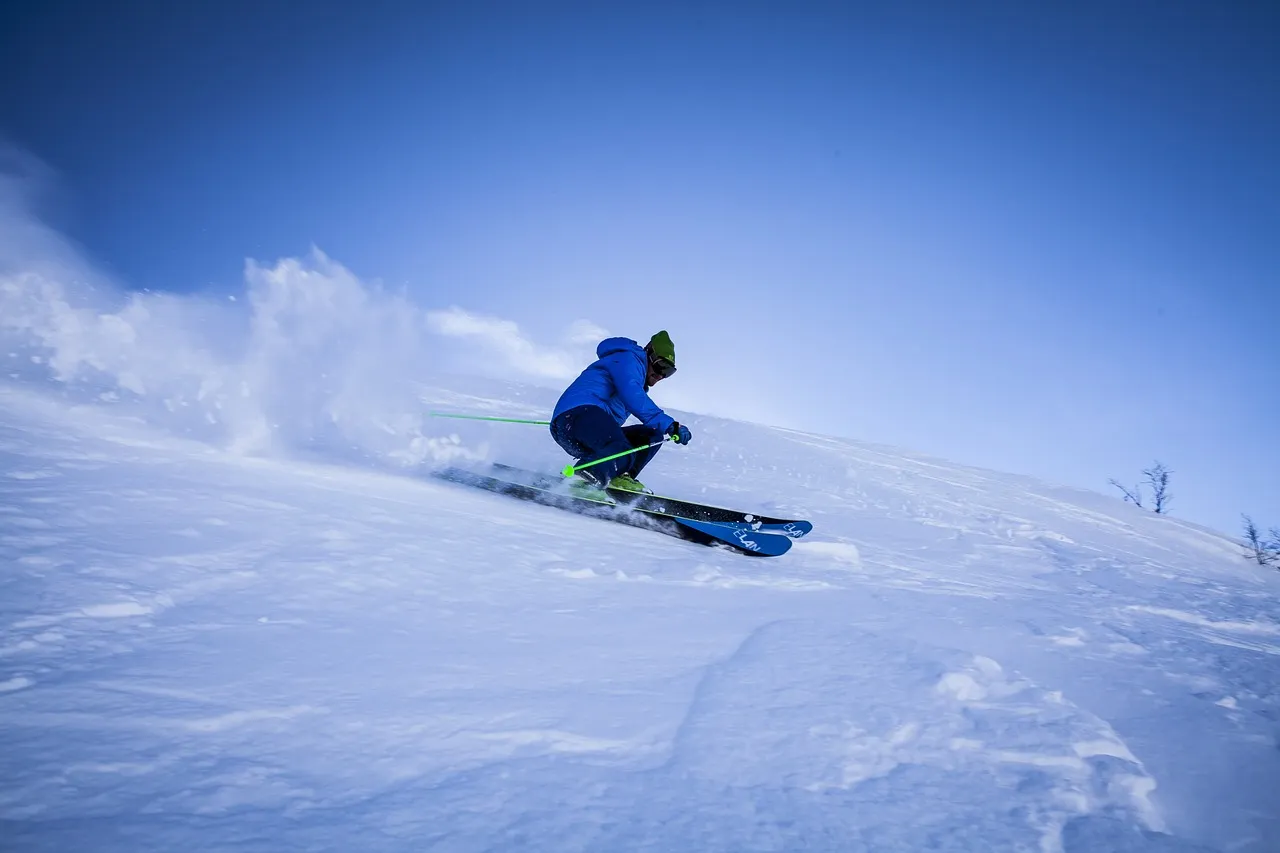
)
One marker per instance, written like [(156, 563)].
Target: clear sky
[(1039, 237)]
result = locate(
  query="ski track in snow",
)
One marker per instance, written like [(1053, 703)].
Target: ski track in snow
[(222, 653)]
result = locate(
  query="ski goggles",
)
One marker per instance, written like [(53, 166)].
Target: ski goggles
[(661, 366)]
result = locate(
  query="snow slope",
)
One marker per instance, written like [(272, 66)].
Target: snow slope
[(210, 651), (238, 614)]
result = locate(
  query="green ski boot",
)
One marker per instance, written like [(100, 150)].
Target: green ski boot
[(580, 487), (627, 483)]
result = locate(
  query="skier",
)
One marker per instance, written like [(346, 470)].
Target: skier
[(587, 421)]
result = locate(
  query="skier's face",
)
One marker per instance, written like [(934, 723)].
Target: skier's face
[(658, 369)]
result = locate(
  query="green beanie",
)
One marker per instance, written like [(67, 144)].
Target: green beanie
[(661, 346)]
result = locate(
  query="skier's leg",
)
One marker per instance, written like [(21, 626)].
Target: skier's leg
[(562, 430), (638, 435), (588, 433)]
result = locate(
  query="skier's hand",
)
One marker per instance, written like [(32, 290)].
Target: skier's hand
[(679, 433)]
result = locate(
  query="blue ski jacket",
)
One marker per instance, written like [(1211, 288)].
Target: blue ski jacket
[(615, 383)]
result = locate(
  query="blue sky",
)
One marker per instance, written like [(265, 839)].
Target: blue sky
[(1042, 238)]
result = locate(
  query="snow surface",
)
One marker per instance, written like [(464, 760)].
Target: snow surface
[(302, 641)]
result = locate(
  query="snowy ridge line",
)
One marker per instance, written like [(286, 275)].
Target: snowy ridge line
[(1259, 627)]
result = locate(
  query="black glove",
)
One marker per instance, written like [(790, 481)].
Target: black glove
[(679, 433)]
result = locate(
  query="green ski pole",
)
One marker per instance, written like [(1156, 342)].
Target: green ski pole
[(486, 418), (570, 470)]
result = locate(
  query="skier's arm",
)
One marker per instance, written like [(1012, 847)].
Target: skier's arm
[(628, 377)]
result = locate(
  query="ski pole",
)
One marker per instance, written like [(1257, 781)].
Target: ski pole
[(486, 418), (570, 470)]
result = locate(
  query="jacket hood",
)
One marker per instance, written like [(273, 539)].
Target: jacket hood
[(609, 346)]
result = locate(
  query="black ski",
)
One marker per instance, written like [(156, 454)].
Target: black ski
[(790, 527), (528, 485)]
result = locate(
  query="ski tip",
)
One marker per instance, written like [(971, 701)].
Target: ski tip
[(743, 539), (796, 529)]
